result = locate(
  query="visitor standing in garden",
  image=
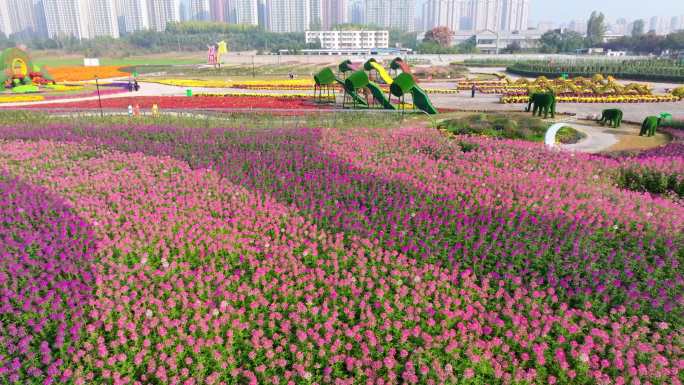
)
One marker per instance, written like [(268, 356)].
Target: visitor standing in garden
[(136, 85), (473, 91)]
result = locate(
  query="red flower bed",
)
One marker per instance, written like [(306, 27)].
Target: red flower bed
[(183, 102)]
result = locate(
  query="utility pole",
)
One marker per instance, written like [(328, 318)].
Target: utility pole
[(99, 99)]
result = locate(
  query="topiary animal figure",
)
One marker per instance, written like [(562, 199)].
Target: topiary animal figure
[(543, 103), (649, 126), (612, 116)]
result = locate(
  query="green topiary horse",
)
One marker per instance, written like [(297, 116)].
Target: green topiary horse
[(611, 116), (543, 103), (649, 126)]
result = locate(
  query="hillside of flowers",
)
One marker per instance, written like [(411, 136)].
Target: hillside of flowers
[(144, 254)]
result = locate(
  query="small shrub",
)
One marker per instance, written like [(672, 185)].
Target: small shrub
[(678, 92), (468, 147), (652, 181)]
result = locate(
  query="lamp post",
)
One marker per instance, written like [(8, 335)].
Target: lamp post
[(99, 99), (253, 71)]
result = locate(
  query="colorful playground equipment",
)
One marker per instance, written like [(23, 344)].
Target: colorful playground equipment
[(359, 87)]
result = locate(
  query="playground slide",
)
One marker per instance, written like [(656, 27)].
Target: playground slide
[(384, 75), (380, 96), (421, 100), (356, 97)]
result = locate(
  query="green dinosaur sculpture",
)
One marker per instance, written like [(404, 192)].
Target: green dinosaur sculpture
[(649, 126), (543, 103), (612, 116)]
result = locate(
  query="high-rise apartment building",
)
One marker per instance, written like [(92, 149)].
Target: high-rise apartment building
[(263, 14), (377, 13), (334, 12), (316, 17), (289, 15), (243, 12), (102, 20), (199, 10), (514, 15), (132, 15), (357, 12), (218, 10), (442, 13), (477, 15), (396, 14), (21, 16), (65, 18), (161, 12), (5, 26)]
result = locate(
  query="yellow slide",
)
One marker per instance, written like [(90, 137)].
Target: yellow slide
[(382, 72)]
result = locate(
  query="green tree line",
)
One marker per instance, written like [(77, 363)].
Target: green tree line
[(190, 36)]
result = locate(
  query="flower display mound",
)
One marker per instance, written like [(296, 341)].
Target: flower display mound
[(182, 102), (82, 73), (201, 281), (45, 283), (508, 210)]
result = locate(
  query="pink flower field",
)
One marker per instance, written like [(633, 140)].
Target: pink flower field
[(145, 254)]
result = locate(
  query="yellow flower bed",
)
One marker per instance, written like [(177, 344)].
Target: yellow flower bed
[(287, 84), (598, 99), (276, 83), (63, 87), (20, 98), (193, 83), (261, 94)]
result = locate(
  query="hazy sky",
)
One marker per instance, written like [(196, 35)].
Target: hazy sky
[(564, 10)]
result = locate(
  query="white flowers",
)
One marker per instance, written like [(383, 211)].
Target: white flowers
[(165, 263), (215, 312), (148, 313)]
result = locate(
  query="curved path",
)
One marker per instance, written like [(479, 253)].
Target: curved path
[(596, 140)]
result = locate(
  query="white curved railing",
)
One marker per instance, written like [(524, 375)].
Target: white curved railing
[(550, 137)]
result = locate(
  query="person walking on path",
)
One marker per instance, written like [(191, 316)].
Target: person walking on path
[(136, 85), (473, 91)]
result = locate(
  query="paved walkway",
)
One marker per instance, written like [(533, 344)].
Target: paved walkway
[(596, 140)]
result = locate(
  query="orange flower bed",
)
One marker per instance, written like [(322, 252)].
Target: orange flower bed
[(72, 74)]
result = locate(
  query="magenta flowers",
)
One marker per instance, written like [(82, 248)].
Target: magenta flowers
[(359, 256), (45, 273)]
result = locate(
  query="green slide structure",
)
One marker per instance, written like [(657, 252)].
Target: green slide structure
[(380, 96), (405, 84), (356, 81), (400, 86)]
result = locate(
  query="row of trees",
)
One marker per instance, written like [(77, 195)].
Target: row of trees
[(648, 43), (193, 36), (639, 42)]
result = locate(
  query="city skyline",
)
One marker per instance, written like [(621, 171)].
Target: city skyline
[(93, 18)]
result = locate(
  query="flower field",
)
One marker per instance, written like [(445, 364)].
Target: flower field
[(287, 84), (72, 74), (185, 103), (184, 255)]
